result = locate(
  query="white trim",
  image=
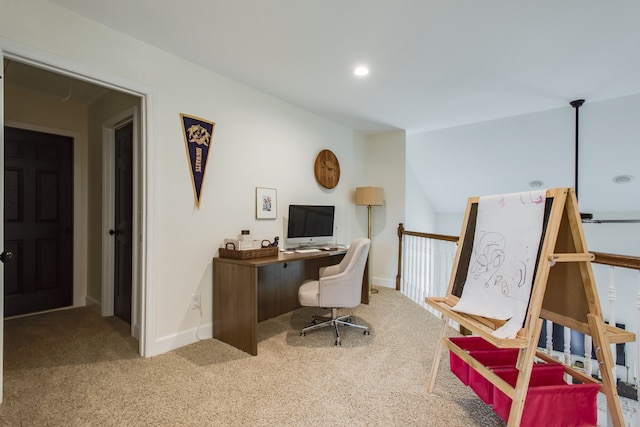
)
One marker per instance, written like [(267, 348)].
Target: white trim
[(13, 50), (136, 231), (2, 228), (108, 242), (108, 216), (386, 283), (79, 272), (184, 338)]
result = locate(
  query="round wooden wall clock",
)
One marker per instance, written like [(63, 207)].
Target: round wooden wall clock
[(327, 169)]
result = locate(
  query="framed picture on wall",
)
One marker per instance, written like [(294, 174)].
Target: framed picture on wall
[(266, 203)]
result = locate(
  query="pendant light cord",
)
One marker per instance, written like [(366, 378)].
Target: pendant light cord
[(576, 104)]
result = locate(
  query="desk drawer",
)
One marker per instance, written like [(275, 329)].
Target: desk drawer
[(278, 288)]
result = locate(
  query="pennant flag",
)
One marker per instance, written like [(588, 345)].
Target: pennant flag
[(198, 136)]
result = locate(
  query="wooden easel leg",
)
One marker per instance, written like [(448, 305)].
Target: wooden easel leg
[(524, 366), (605, 360), (436, 357)]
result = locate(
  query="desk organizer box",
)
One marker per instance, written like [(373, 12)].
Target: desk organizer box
[(550, 400), (248, 253)]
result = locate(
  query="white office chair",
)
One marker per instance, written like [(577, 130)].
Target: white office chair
[(339, 286)]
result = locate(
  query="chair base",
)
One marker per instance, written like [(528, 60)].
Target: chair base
[(334, 320)]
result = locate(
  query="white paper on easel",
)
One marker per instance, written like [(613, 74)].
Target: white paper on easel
[(505, 248)]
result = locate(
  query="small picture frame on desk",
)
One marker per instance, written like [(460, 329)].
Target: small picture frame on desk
[(266, 203)]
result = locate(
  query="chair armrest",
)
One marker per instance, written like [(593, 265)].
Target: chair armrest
[(329, 270), (336, 291)]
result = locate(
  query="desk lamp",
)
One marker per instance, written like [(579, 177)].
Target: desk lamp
[(369, 196)]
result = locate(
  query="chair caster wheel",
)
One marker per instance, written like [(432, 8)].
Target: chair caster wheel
[(302, 334), (338, 343), (366, 333)]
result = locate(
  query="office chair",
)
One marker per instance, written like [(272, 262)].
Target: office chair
[(339, 286)]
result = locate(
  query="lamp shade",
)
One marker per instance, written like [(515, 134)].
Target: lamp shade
[(370, 196)]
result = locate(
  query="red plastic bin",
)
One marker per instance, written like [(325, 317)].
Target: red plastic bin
[(459, 367), (541, 374), (481, 350), (550, 400), (505, 358)]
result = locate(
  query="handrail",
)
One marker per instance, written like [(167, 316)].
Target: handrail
[(444, 237), (402, 232), (416, 283), (624, 261)]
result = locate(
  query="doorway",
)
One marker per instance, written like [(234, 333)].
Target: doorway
[(144, 188), (38, 221), (122, 233), (120, 268), (90, 204)]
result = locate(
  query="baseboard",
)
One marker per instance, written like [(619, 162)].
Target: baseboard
[(183, 338), (187, 337), (386, 283), (91, 301)]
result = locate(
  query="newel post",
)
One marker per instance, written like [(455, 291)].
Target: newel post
[(399, 275)]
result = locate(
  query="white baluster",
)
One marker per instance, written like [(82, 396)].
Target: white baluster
[(588, 346), (404, 273), (567, 346), (612, 296), (612, 314), (412, 266), (423, 261), (549, 342), (637, 363), (421, 258), (406, 280), (415, 257), (427, 266)]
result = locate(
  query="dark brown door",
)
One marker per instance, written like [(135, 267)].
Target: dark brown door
[(123, 219), (38, 219)]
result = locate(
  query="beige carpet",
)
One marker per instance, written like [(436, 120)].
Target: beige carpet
[(74, 368)]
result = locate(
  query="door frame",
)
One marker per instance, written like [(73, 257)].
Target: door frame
[(130, 115), (79, 176), (147, 252)]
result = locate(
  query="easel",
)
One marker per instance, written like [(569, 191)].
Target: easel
[(563, 291)]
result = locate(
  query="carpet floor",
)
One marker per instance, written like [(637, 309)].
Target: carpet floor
[(75, 368)]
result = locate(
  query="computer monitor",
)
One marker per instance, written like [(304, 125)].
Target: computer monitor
[(310, 225)]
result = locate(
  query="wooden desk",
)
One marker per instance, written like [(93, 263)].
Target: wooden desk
[(246, 292)]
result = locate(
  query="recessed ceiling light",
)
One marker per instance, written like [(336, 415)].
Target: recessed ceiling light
[(361, 71), (535, 184), (622, 179)]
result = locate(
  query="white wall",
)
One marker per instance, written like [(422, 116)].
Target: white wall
[(451, 165), (258, 141), (384, 161), (420, 214), (504, 155), (489, 157)]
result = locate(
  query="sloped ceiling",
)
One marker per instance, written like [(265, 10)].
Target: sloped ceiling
[(435, 64)]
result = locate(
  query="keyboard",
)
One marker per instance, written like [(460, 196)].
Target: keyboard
[(307, 251)]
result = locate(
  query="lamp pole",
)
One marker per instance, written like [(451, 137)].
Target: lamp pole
[(369, 196), (372, 290)]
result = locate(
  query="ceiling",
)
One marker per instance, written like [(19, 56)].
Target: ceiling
[(434, 63)]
